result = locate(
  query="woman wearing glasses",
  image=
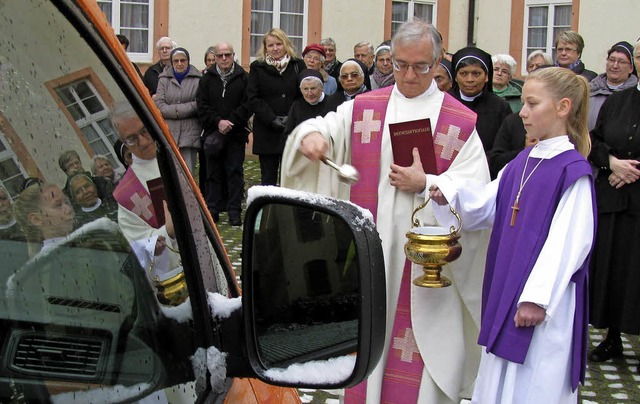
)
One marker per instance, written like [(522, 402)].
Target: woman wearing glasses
[(473, 74), (504, 67), (569, 46), (176, 99), (353, 76), (619, 75)]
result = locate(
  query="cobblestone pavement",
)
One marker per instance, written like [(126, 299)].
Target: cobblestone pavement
[(615, 381)]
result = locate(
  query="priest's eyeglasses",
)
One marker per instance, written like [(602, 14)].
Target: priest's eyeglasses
[(134, 139), (418, 68)]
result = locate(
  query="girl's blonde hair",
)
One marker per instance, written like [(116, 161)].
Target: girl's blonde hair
[(563, 83), (30, 201), (282, 36)]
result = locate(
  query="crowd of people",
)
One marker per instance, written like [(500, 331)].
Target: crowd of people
[(531, 164)]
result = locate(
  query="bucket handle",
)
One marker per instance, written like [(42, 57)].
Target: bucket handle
[(416, 223)]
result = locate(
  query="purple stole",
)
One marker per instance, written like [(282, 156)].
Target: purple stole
[(513, 250), (403, 372), (132, 195)]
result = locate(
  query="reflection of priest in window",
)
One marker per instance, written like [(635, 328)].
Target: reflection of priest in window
[(442, 355), (152, 240)]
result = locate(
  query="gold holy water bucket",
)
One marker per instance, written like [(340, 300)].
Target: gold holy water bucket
[(172, 291), (432, 247)]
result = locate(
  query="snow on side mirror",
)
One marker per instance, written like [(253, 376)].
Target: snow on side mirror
[(314, 292)]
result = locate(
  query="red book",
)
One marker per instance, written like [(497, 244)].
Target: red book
[(156, 190), (407, 135)]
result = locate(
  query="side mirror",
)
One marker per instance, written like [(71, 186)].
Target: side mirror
[(314, 289)]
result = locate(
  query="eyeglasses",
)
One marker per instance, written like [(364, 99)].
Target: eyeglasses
[(418, 68), (620, 62), (134, 139), (501, 71), (180, 60), (224, 55), (353, 75), (384, 60), (566, 50)]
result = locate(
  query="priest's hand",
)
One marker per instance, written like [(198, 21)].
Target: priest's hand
[(436, 195), (314, 146), (529, 315), (409, 179)]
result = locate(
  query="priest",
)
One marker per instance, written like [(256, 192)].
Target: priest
[(431, 353)]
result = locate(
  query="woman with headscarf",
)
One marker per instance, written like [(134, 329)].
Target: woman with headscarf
[(353, 78), (176, 99), (383, 68), (473, 74), (619, 75), (311, 104), (443, 76), (271, 90)]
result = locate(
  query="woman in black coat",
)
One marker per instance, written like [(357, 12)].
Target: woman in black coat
[(272, 88), (473, 76), (615, 276)]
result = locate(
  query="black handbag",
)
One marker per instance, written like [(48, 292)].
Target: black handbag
[(213, 144)]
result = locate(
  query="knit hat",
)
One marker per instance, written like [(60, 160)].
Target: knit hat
[(314, 47), (626, 48)]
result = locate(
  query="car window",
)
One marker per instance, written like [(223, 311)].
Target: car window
[(94, 299)]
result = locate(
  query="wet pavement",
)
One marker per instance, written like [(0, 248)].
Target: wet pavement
[(614, 381)]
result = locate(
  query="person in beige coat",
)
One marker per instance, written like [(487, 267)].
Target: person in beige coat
[(176, 99)]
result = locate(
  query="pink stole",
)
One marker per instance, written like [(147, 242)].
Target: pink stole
[(132, 195), (404, 366)]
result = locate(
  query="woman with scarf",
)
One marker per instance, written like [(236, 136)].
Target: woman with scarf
[(176, 99), (473, 74), (569, 46), (271, 90), (383, 68)]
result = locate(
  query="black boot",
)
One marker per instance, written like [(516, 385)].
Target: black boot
[(611, 347)]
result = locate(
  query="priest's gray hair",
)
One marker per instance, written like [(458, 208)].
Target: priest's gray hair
[(415, 30)]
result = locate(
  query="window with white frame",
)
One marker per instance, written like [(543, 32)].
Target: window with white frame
[(133, 19), (11, 171), (544, 20), (91, 115), (402, 11), (288, 15)]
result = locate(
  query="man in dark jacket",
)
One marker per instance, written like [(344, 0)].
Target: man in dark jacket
[(150, 79), (224, 112)]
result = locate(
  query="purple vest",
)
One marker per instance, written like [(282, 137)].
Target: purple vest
[(514, 250)]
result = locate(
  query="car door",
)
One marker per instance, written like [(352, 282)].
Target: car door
[(86, 314)]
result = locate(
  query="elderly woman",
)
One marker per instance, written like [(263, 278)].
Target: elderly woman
[(569, 46), (209, 58), (614, 278), (314, 57), (619, 75), (101, 166), (313, 102), (537, 59), (443, 76), (383, 68), (271, 90), (89, 206), (473, 73), (353, 74), (176, 99), (504, 67)]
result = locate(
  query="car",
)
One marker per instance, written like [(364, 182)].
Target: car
[(83, 314)]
